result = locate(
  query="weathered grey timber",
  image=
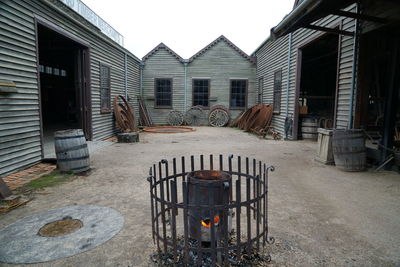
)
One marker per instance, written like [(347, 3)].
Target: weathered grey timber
[(220, 61), (20, 115), (273, 55)]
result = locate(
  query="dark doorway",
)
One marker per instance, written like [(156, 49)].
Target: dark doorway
[(317, 84), (378, 111), (63, 89)]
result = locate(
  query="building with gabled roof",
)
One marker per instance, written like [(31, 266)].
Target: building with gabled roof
[(219, 74)]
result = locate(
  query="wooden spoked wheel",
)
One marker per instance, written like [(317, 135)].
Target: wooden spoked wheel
[(175, 118), (195, 116), (218, 117)]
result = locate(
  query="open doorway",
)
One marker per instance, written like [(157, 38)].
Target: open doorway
[(377, 110), (63, 89), (317, 84)]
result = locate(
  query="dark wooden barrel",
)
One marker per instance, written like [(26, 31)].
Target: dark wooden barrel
[(349, 150), (309, 129), (71, 151)]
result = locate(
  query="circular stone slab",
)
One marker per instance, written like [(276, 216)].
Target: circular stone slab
[(21, 242)]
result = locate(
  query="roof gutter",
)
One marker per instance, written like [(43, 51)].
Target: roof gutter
[(305, 7)]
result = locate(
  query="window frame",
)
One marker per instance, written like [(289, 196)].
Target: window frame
[(277, 108), (245, 95), (109, 108), (208, 93), (155, 93)]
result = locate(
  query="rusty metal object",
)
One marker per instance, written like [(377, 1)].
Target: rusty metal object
[(124, 115), (195, 116), (168, 129), (256, 118), (218, 117), (175, 118), (229, 185)]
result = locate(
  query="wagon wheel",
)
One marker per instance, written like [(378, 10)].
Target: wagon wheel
[(175, 118), (218, 117), (124, 115), (219, 107), (194, 116)]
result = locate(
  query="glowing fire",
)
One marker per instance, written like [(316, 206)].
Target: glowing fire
[(207, 222)]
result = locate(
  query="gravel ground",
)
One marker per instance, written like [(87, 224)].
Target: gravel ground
[(319, 216)]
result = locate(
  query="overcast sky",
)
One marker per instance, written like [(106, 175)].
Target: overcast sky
[(186, 26)]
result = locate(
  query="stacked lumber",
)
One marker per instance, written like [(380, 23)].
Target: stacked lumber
[(144, 117)]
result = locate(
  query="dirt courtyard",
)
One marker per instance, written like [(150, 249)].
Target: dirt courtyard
[(319, 216)]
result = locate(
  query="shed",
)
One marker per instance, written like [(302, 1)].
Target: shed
[(63, 70)]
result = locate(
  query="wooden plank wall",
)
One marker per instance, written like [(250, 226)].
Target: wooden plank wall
[(19, 112), (273, 55), (162, 64), (220, 63)]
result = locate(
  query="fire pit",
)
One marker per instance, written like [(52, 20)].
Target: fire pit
[(209, 211)]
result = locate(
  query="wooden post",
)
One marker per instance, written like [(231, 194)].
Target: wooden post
[(4, 190)]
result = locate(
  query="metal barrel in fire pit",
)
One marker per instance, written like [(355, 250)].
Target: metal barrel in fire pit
[(208, 188)]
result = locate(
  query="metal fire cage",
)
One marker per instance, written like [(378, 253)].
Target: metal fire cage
[(247, 201)]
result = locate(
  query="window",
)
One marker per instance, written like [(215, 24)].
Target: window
[(238, 94), (163, 93), (260, 90), (105, 89), (277, 90), (201, 92)]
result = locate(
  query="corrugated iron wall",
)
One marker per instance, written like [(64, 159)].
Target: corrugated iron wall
[(20, 144), (273, 55)]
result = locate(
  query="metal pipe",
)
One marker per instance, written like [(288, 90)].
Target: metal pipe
[(141, 67), (126, 76), (288, 73), (185, 63), (354, 69)]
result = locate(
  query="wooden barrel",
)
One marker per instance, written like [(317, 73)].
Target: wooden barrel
[(309, 129), (349, 150), (71, 151)]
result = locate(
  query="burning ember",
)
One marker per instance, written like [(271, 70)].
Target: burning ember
[(209, 215)]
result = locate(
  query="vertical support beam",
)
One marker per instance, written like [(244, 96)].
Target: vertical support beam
[(141, 67), (392, 100), (289, 61), (354, 69)]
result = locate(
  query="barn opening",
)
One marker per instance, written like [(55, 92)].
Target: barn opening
[(318, 81), (378, 111), (63, 86)]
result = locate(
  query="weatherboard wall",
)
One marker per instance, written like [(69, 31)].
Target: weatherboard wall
[(20, 140), (221, 63), (273, 55), (162, 64)]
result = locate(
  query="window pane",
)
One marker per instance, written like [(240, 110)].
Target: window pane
[(238, 93), (201, 92), (163, 92), (277, 90), (105, 90)]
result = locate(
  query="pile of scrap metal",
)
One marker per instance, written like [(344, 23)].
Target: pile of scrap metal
[(124, 115), (257, 119)]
